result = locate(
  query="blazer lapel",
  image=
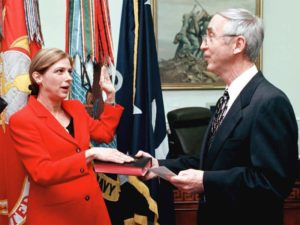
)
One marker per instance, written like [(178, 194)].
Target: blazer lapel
[(234, 115), (76, 119), (50, 121), (230, 121), (203, 150)]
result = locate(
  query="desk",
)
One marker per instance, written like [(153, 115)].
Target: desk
[(186, 205), (292, 206)]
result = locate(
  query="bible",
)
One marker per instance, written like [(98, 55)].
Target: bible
[(138, 167)]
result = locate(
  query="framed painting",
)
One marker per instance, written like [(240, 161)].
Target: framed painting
[(178, 24)]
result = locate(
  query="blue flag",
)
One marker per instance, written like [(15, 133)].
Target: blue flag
[(142, 126)]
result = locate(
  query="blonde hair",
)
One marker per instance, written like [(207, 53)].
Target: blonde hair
[(42, 61)]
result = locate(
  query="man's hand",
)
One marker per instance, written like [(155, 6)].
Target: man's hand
[(148, 175), (190, 181)]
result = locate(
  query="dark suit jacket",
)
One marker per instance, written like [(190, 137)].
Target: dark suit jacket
[(252, 163)]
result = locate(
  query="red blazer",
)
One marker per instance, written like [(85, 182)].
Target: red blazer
[(63, 188)]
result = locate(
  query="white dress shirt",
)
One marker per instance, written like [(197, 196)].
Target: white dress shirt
[(235, 88)]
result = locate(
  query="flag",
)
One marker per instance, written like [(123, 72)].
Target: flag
[(88, 41), (18, 45), (117, 189), (143, 123), (142, 126), (80, 45)]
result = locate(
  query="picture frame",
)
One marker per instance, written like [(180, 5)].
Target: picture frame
[(185, 69)]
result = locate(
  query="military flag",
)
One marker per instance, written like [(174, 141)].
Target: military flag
[(117, 189), (21, 39), (88, 41), (143, 123)]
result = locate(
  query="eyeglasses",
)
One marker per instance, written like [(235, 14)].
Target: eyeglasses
[(206, 38)]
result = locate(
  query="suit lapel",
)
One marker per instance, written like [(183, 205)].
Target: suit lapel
[(76, 119), (203, 150), (50, 121), (234, 115), (230, 121), (57, 128)]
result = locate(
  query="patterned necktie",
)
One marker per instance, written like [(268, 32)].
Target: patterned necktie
[(219, 115)]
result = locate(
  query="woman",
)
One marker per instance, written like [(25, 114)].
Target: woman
[(52, 136)]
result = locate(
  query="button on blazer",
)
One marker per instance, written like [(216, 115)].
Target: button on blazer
[(63, 187)]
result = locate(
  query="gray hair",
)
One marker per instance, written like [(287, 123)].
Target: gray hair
[(244, 23)]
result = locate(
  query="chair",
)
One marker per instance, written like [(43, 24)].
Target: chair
[(187, 128)]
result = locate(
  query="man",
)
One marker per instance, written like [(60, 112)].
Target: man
[(248, 160)]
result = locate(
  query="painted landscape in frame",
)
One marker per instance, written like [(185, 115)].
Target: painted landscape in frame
[(179, 25)]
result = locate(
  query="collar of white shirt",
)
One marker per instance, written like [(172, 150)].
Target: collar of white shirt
[(235, 88)]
